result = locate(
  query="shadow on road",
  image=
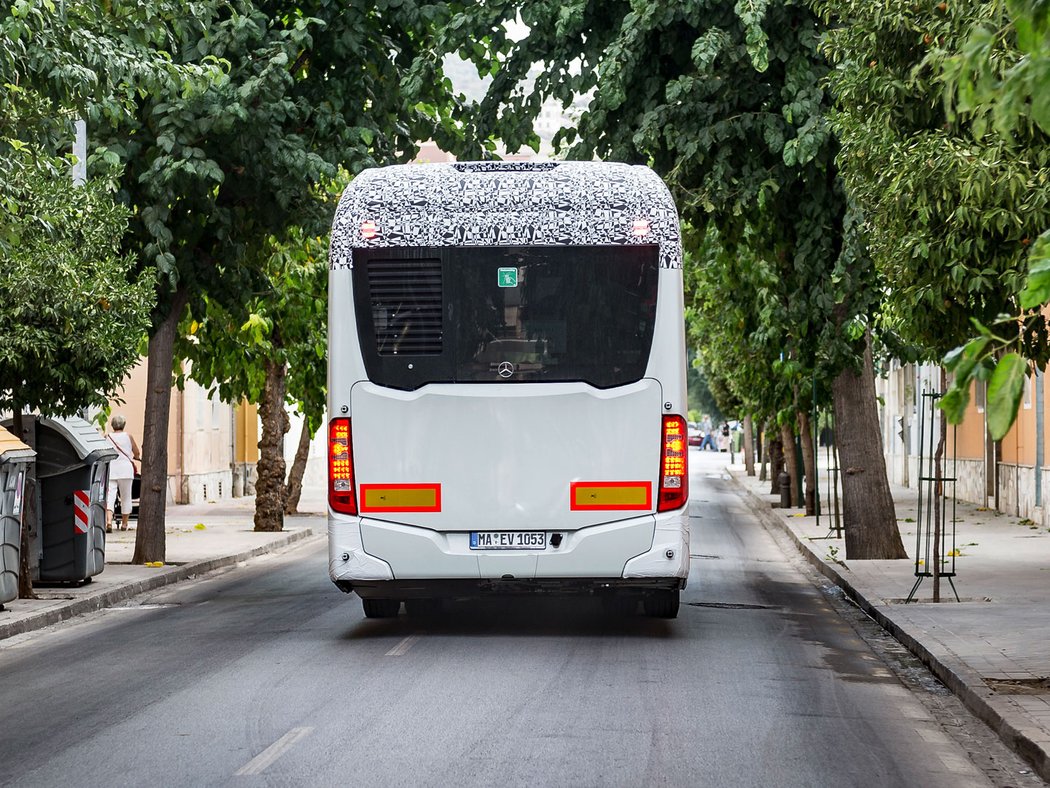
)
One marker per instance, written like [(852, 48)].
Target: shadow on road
[(522, 617)]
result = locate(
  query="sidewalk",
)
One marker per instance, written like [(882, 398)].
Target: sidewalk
[(200, 538), (992, 649)]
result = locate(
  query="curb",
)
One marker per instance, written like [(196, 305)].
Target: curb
[(124, 592), (1011, 726)]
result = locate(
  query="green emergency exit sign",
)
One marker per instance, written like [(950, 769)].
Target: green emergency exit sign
[(508, 277)]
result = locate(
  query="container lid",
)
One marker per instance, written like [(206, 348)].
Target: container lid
[(89, 444), (13, 450)]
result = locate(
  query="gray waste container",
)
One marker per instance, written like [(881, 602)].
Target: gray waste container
[(72, 468), (14, 457)]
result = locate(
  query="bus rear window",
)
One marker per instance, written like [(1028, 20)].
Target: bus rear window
[(506, 314)]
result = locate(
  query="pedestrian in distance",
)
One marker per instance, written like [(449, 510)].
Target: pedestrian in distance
[(724, 440), (121, 472), (707, 429)]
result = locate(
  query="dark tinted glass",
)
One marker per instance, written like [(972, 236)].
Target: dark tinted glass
[(508, 314)]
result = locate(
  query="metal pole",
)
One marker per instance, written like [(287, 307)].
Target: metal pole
[(80, 152), (816, 452)]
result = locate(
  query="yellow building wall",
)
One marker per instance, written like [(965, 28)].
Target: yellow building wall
[(246, 433), (967, 440), (1019, 443)]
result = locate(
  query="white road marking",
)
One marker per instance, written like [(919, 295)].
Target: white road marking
[(265, 759), (403, 646)]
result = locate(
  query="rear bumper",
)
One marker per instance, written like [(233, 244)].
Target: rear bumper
[(447, 589), (651, 551)]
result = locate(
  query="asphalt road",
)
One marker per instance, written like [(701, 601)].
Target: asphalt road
[(268, 675)]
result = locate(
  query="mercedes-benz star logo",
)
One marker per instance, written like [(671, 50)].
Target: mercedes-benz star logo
[(506, 369)]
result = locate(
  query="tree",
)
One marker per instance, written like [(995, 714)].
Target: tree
[(725, 101), (1002, 73), (72, 311), (701, 399), (309, 86), (70, 319), (948, 218), (275, 355)]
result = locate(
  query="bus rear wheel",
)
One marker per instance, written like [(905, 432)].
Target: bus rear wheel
[(620, 604), (381, 608), (662, 604), (423, 608)]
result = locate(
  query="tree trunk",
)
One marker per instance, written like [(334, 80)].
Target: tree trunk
[(787, 438), (763, 452), (294, 489), (269, 486), (809, 461), (869, 519), (153, 494), (749, 447), (776, 462)]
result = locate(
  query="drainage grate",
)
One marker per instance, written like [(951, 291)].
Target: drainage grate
[(732, 606)]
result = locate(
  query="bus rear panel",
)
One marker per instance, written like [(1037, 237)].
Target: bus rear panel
[(507, 385)]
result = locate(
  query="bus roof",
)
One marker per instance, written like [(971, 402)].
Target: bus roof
[(497, 203)]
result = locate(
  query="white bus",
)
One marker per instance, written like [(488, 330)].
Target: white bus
[(506, 386)]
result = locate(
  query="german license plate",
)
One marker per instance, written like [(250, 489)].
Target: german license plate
[(508, 540)]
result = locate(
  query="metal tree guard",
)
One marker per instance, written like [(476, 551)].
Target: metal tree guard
[(931, 535), (832, 453)]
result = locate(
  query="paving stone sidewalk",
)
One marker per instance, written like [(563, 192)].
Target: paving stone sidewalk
[(992, 648), (200, 538)]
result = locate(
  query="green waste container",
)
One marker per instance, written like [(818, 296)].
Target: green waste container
[(15, 456)]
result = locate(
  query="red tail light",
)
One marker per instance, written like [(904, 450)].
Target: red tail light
[(674, 465), (341, 493)]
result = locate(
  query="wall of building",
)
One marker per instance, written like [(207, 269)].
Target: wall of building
[(246, 429), (1010, 477), (207, 446), (200, 437)]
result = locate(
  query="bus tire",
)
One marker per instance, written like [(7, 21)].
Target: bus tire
[(620, 604), (662, 604), (381, 608), (423, 608)]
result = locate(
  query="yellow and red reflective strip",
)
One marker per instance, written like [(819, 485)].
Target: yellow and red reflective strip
[(610, 496), (400, 498)]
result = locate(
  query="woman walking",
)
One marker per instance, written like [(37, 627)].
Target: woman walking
[(121, 472)]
